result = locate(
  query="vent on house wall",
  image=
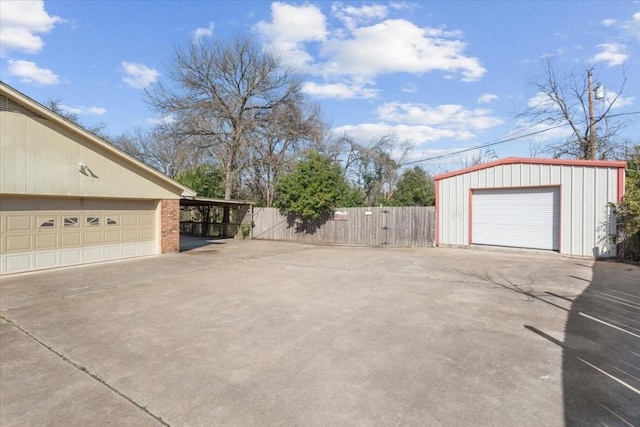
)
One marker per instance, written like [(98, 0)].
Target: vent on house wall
[(7, 104)]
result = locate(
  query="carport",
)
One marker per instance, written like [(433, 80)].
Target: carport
[(209, 217)]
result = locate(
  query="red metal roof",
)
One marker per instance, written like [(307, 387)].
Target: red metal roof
[(534, 161)]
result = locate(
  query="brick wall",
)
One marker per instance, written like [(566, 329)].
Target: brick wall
[(169, 226)]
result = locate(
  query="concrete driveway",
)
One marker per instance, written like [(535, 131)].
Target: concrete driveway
[(265, 333)]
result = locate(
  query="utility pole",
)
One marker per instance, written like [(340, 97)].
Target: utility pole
[(592, 121)]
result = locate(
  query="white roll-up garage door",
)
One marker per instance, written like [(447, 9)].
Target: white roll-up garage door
[(40, 232), (517, 217)]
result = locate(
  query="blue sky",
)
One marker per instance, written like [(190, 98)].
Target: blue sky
[(445, 75)]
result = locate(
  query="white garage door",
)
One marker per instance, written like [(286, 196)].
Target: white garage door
[(518, 217), (40, 233)]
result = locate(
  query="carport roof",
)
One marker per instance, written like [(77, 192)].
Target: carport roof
[(524, 160), (206, 201)]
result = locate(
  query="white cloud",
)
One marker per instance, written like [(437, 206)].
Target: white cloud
[(82, 110), (422, 124), (446, 116), (139, 76), (29, 72), (351, 16), (486, 98), (547, 132), (404, 5), (164, 120), (200, 33), (366, 46), (397, 45), (611, 53), (21, 22), (410, 88), (622, 101), (541, 101), (632, 27), (339, 90), (365, 132), (291, 27), (444, 160)]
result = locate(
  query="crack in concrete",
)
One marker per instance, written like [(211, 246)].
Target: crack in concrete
[(83, 369)]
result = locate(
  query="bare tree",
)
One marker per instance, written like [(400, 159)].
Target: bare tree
[(225, 93), (375, 167), (98, 129), (478, 157), (565, 98), (279, 141), (164, 148)]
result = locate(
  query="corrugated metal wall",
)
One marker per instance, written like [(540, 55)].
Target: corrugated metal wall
[(586, 222)]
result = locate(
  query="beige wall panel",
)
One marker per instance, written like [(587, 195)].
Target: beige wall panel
[(92, 237), (18, 223), (145, 234), (129, 220), (146, 220), (11, 154), (71, 239), (46, 241), (112, 236), (129, 235), (39, 157), (20, 242)]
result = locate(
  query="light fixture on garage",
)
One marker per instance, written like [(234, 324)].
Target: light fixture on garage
[(84, 170)]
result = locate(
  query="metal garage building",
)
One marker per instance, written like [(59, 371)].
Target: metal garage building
[(68, 197), (552, 204)]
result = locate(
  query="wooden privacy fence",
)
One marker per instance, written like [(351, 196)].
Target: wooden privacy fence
[(381, 226)]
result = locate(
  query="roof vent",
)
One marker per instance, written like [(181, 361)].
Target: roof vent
[(11, 106)]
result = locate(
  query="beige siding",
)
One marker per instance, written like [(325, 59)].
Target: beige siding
[(587, 221), (38, 157)]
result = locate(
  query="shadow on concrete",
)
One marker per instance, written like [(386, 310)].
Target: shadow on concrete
[(188, 243), (601, 350)]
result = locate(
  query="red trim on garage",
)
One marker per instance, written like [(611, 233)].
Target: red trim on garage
[(470, 240), (437, 185), (560, 220), (621, 183), (529, 161)]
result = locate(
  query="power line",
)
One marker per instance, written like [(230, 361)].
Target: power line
[(624, 114), (489, 144), (503, 140)]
